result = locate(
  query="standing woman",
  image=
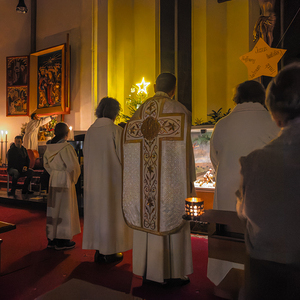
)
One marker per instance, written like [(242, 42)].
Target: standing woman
[(104, 226), (61, 162), (269, 198)]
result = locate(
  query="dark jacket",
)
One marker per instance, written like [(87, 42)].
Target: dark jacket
[(17, 158)]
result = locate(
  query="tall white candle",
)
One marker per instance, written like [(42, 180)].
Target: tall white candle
[(2, 146), (71, 134), (5, 146)]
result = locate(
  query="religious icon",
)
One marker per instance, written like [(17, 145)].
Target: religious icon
[(50, 82), (17, 101), (265, 24), (17, 85), (49, 79), (17, 70)]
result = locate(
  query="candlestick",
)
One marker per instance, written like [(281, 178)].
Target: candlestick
[(5, 148), (1, 150)]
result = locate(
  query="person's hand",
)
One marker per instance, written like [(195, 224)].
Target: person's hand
[(24, 169)]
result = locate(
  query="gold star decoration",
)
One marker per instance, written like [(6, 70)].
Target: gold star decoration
[(143, 86), (262, 60)]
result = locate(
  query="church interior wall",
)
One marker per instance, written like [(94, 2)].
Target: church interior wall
[(55, 20), (109, 55), (238, 31), (14, 41), (132, 46), (220, 35)]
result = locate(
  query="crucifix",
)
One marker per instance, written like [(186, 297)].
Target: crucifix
[(151, 130)]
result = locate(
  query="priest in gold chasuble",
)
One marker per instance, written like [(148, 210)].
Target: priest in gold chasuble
[(158, 174)]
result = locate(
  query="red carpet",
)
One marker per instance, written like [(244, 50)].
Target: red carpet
[(29, 270)]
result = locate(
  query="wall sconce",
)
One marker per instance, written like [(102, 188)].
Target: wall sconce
[(193, 208), (21, 7)]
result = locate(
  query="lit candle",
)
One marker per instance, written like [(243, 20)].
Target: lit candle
[(5, 145), (2, 146), (71, 133)]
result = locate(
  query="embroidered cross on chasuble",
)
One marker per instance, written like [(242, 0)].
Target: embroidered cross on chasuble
[(155, 167)]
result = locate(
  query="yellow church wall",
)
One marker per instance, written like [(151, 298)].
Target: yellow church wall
[(115, 43), (132, 46), (220, 35), (199, 60), (237, 44)]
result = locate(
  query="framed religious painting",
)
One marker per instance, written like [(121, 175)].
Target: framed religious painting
[(17, 80), (49, 81)]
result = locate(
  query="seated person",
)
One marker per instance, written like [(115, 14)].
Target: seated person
[(268, 199), (18, 166)]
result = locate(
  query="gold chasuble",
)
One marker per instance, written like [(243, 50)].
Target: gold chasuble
[(155, 166)]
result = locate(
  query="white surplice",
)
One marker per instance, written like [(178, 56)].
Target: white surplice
[(61, 162), (248, 127), (30, 139), (169, 256), (104, 226)]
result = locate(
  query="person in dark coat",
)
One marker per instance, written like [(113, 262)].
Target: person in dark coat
[(18, 166)]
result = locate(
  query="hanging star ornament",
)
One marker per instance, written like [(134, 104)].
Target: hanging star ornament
[(143, 86), (262, 60)]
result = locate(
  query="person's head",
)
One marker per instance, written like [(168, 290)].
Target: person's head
[(249, 91), (18, 141), (61, 131), (34, 116), (108, 108), (165, 82), (283, 95)]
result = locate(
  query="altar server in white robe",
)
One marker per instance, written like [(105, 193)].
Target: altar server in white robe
[(104, 227), (61, 162), (248, 127), (158, 174), (30, 139)]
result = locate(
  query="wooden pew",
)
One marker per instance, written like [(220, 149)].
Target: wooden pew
[(226, 242)]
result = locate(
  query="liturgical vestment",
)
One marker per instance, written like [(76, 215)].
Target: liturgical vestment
[(248, 127), (158, 174), (30, 139), (104, 226), (61, 162)]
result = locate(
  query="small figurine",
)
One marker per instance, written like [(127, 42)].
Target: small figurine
[(207, 178)]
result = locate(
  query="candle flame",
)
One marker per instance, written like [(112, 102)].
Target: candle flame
[(193, 199)]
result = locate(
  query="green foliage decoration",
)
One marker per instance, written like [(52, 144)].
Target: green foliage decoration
[(133, 102), (215, 117)]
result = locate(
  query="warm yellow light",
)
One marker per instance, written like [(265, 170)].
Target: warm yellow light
[(143, 86), (193, 199)]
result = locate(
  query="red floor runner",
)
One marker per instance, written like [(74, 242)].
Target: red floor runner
[(29, 270)]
